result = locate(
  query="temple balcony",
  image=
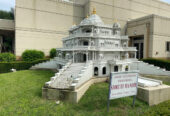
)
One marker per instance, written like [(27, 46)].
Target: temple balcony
[(96, 35), (99, 48), (81, 48)]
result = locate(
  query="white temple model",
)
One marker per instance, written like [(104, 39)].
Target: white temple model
[(92, 49)]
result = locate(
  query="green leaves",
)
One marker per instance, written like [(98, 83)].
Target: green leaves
[(7, 57), (53, 53), (32, 55)]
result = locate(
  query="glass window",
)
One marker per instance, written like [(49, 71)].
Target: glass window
[(168, 46)]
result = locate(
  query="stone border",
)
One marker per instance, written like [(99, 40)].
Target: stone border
[(151, 95), (71, 96), (154, 95)]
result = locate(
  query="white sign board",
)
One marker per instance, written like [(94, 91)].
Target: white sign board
[(123, 84)]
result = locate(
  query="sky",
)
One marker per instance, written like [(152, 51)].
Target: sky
[(166, 1), (7, 4)]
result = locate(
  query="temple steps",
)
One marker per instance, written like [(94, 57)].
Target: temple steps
[(66, 78), (149, 69)]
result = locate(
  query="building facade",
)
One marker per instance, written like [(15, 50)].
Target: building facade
[(40, 24)]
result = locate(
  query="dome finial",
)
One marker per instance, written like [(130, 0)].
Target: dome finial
[(115, 20), (94, 10)]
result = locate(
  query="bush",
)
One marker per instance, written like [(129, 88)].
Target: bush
[(32, 55), (18, 65), (7, 57), (53, 53), (159, 62)]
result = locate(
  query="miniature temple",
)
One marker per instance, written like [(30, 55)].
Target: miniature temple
[(91, 52), (102, 44), (94, 48)]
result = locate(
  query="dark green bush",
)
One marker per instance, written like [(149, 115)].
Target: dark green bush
[(53, 53), (18, 65), (7, 57), (159, 62), (32, 55)]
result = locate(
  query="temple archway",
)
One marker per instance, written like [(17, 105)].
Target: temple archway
[(127, 68), (104, 70), (96, 71), (84, 57), (116, 68)]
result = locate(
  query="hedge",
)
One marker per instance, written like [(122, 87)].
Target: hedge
[(7, 57), (53, 53), (18, 65), (159, 62), (32, 55)]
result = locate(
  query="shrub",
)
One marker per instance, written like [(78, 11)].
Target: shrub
[(32, 55), (7, 57), (159, 62), (53, 53), (18, 65)]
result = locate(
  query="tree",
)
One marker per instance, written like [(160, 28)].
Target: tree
[(7, 14)]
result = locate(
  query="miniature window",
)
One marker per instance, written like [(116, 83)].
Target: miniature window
[(104, 70), (126, 68), (168, 46), (87, 30), (85, 43)]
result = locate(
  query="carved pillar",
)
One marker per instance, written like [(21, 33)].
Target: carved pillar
[(73, 56), (148, 39), (135, 55), (87, 56)]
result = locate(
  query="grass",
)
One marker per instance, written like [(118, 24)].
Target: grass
[(20, 95)]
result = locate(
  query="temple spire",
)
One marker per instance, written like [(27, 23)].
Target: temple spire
[(94, 10)]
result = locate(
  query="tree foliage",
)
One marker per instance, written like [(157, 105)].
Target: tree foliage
[(7, 14)]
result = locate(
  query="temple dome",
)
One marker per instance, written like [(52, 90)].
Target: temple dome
[(92, 20)]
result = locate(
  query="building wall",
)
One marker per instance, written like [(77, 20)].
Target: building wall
[(7, 24), (161, 35), (158, 34), (125, 10), (142, 27), (41, 24)]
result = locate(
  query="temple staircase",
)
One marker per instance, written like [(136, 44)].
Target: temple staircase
[(148, 69), (64, 78)]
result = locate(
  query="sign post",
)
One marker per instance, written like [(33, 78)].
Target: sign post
[(123, 84)]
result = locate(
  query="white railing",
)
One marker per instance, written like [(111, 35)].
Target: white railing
[(84, 75), (57, 75), (121, 61)]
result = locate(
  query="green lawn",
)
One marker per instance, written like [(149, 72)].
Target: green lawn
[(20, 95)]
